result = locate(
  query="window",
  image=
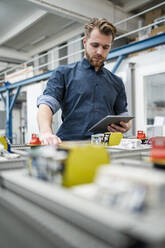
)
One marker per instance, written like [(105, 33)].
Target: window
[(63, 51), (43, 60), (154, 94)]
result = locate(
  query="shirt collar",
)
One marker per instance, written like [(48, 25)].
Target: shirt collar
[(87, 65)]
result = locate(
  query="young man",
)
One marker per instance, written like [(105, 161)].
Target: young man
[(85, 91)]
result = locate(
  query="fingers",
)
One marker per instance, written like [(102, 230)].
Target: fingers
[(50, 139), (116, 128), (111, 129), (126, 125), (59, 140)]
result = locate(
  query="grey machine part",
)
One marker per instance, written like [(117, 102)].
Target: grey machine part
[(45, 215)]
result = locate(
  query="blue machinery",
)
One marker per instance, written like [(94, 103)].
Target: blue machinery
[(119, 53)]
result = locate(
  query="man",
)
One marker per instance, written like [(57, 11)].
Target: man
[(85, 91)]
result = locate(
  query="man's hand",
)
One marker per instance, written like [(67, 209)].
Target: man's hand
[(50, 139), (124, 127), (45, 126)]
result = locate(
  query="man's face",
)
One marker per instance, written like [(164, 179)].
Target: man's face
[(97, 47)]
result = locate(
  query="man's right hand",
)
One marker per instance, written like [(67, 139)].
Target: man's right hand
[(45, 126), (50, 139)]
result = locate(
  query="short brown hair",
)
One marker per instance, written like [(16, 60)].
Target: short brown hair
[(104, 26)]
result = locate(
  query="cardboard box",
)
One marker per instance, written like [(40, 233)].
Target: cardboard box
[(152, 15), (158, 30)]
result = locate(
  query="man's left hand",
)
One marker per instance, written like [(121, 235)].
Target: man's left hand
[(124, 127)]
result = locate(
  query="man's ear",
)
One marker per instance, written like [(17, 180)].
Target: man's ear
[(84, 41)]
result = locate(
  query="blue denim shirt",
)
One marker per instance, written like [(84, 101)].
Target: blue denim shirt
[(85, 97)]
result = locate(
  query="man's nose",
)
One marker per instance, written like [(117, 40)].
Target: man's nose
[(99, 50)]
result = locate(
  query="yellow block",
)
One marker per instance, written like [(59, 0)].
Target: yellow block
[(4, 142), (82, 163), (114, 139)]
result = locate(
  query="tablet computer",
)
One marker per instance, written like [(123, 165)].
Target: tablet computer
[(101, 126)]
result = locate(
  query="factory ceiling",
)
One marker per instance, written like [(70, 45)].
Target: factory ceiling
[(30, 27)]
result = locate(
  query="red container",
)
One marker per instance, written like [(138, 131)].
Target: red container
[(35, 140), (158, 149), (141, 135)]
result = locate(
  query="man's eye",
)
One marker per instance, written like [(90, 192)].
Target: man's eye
[(105, 47), (95, 44)]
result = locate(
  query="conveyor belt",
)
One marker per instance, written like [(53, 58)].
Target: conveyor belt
[(12, 164), (91, 224)]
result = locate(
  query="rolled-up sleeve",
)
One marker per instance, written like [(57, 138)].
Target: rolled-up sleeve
[(54, 92), (124, 114), (50, 101)]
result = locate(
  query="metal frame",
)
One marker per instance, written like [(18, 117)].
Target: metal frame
[(10, 100), (121, 53)]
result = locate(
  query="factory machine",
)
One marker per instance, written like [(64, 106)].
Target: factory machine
[(9, 161), (120, 203)]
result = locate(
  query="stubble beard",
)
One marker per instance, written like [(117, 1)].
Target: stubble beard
[(96, 64)]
